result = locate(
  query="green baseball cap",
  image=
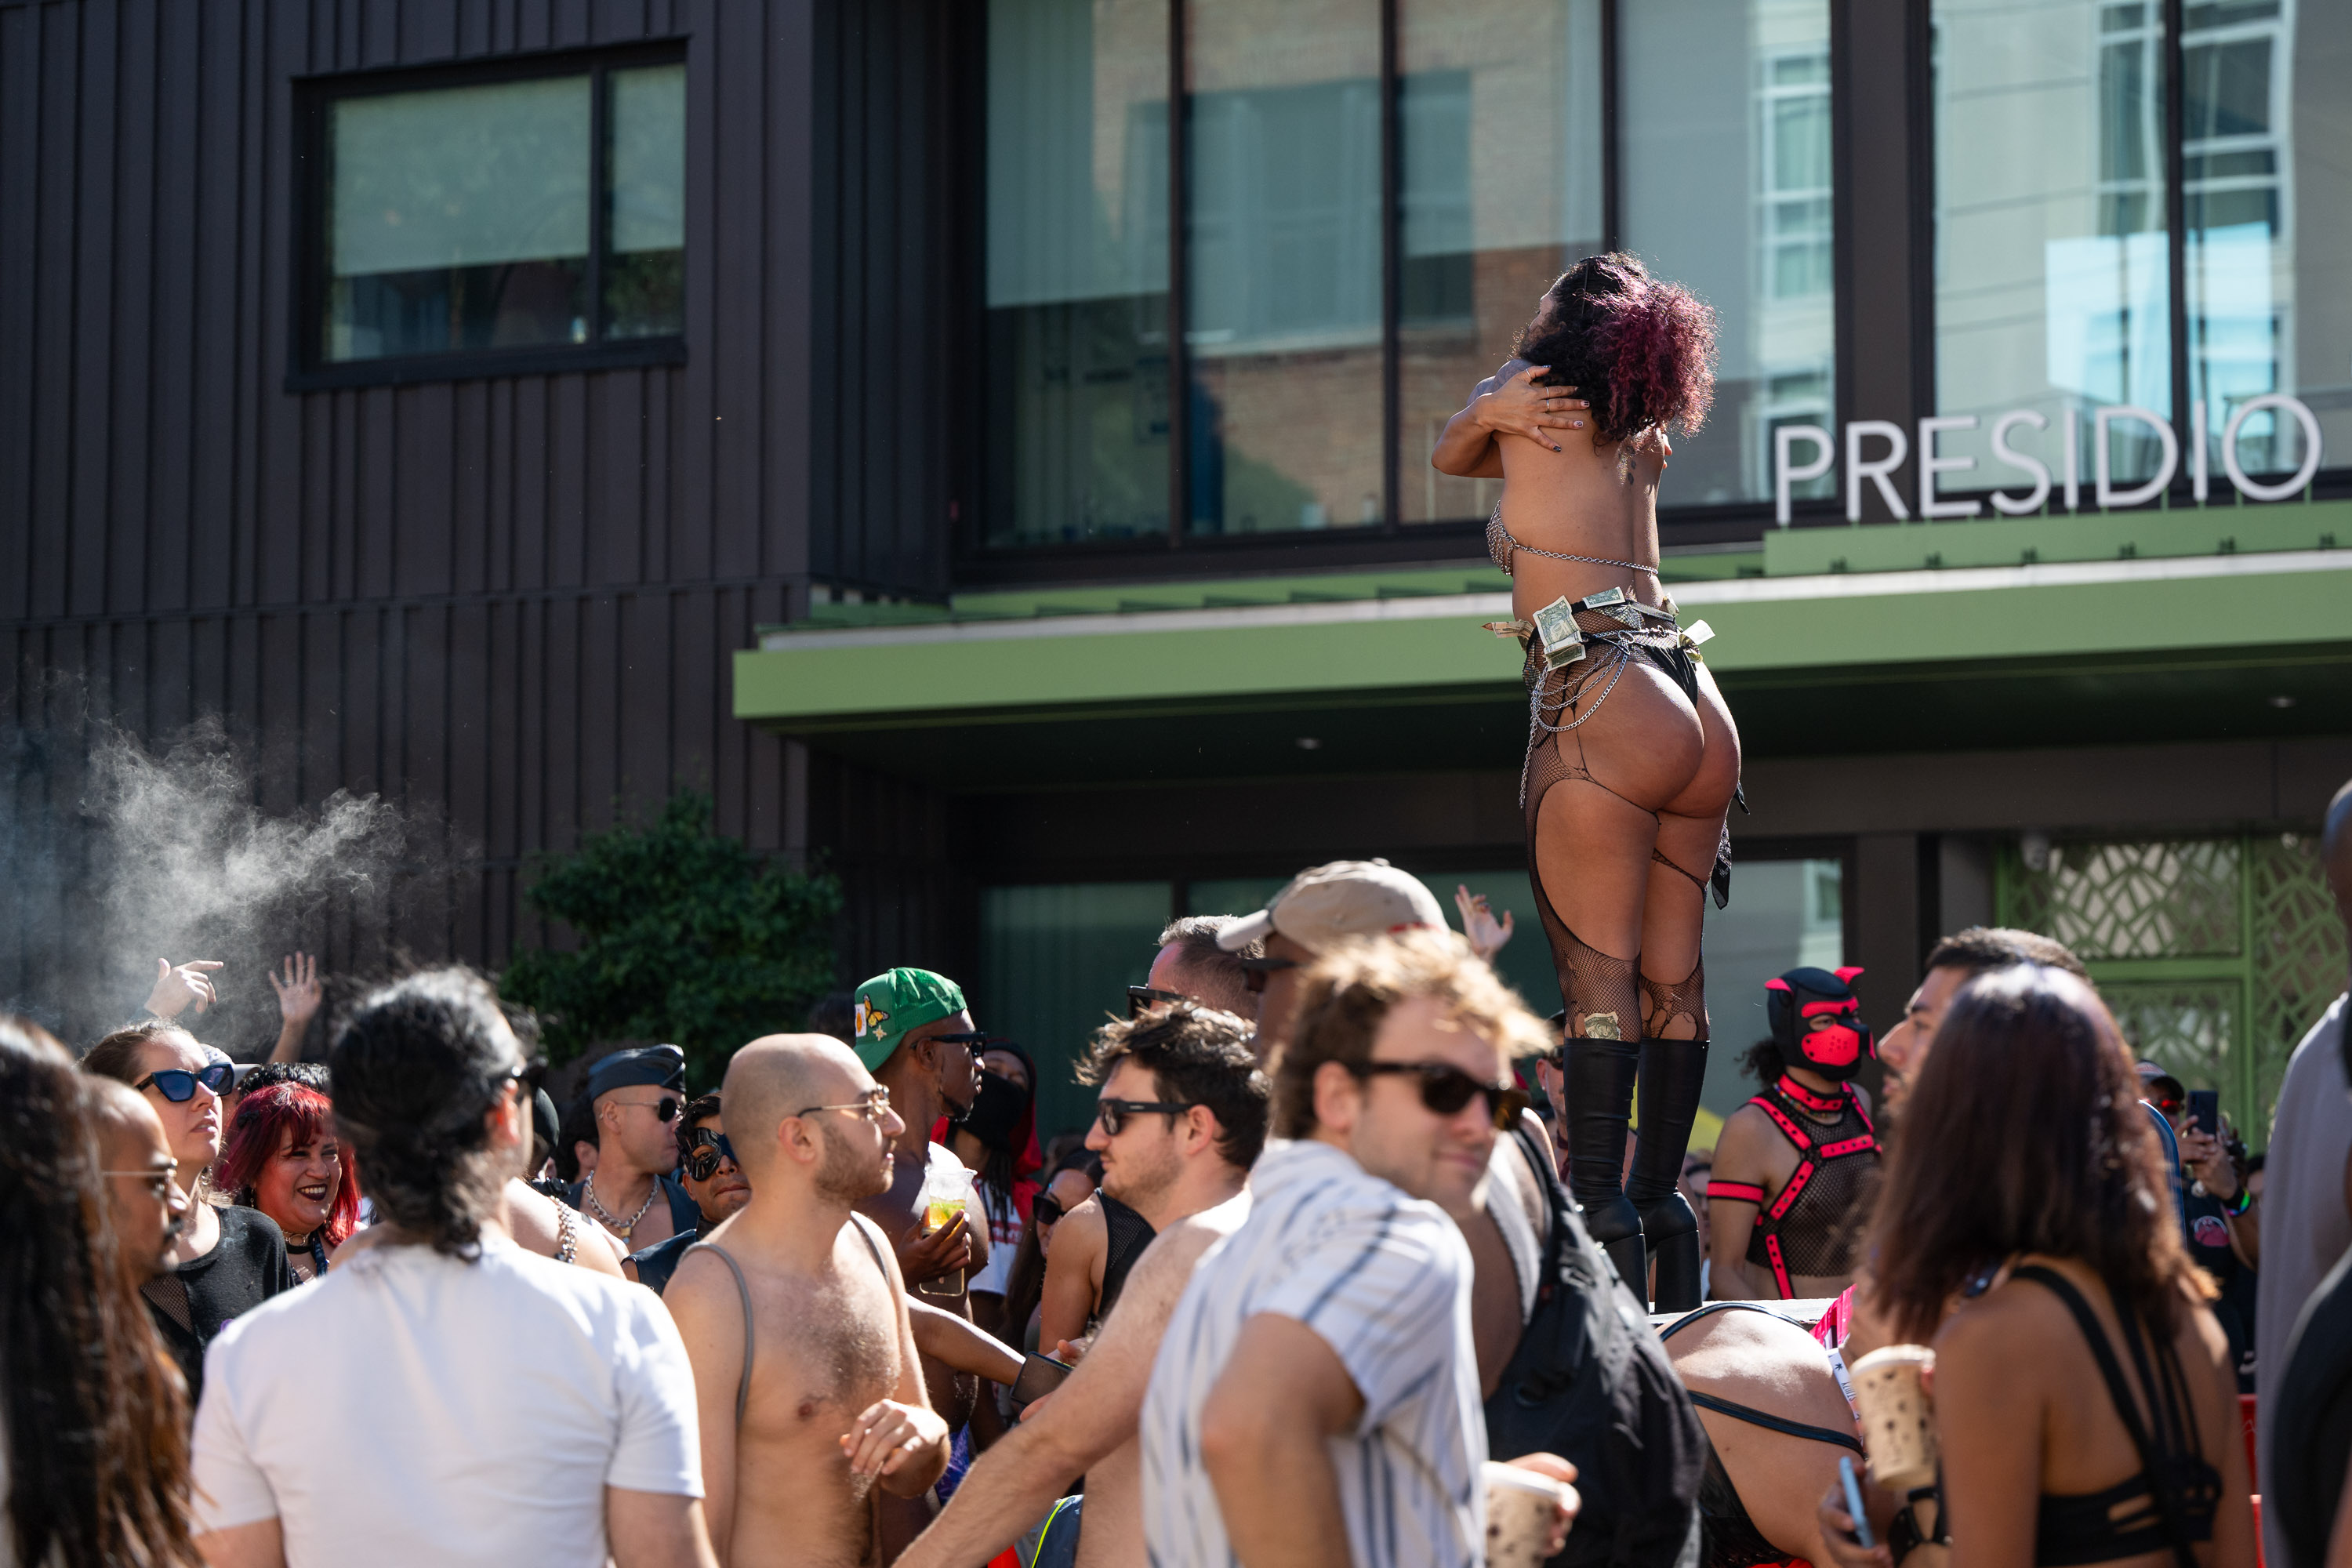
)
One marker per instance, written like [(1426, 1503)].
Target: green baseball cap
[(893, 1002)]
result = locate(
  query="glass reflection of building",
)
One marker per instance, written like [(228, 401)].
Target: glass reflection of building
[(2053, 245)]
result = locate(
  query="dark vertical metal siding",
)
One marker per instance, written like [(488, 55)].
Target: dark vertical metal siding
[(510, 602)]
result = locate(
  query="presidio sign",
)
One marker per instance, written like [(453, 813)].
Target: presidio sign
[(1878, 469)]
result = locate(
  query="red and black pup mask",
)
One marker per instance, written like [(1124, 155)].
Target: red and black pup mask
[(1817, 1021)]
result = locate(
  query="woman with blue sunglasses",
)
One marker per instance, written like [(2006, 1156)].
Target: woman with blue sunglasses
[(228, 1260)]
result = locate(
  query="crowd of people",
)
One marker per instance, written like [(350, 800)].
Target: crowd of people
[(1312, 1264)]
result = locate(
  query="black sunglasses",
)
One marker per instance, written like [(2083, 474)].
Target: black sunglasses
[(664, 1110), (1446, 1090), (705, 1151), (1255, 970), (178, 1085), (1047, 1209), (1113, 1114), (1141, 999)]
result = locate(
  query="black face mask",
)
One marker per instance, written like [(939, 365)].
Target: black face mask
[(996, 1110)]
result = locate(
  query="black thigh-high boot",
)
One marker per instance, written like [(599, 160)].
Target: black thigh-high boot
[(1600, 1075), (1673, 1072)]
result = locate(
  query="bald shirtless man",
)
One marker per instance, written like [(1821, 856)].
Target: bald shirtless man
[(801, 1440)]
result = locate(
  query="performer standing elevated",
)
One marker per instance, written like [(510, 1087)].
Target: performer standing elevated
[(1632, 760)]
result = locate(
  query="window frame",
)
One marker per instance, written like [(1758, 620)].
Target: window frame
[(309, 370), (977, 561)]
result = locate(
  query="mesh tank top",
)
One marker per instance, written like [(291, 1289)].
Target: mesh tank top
[(1129, 1234), (1812, 1227)]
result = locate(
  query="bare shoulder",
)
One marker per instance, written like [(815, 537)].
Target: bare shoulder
[(1748, 1137), (531, 1218), (1175, 1251), (1084, 1226), (2014, 1320)]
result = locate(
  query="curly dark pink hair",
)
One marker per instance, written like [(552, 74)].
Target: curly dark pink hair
[(263, 1119), (1641, 351)]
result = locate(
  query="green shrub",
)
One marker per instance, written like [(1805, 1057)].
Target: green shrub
[(683, 934)]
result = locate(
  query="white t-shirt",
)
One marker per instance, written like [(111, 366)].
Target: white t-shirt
[(1384, 1280), (1003, 1240), (411, 1407)]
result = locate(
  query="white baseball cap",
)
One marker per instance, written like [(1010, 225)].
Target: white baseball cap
[(1325, 904)]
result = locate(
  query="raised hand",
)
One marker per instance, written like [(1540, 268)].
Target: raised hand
[(1520, 407), (177, 986), (1486, 933), (299, 992)]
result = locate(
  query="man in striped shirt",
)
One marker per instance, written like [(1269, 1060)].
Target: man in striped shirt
[(1316, 1397)]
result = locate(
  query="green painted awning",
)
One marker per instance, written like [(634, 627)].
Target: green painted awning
[(2268, 630)]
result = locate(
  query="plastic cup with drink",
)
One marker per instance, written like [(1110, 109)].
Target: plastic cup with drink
[(947, 1194), (1898, 1419)]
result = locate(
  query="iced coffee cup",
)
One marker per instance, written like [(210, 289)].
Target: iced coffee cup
[(1521, 1508), (1898, 1420)]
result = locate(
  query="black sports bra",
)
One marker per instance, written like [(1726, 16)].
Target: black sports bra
[(2179, 1489)]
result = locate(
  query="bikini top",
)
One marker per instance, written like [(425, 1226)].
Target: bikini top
[(2177, 1489)]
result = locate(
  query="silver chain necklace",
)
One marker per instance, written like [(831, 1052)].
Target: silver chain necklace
[(611, 1220)]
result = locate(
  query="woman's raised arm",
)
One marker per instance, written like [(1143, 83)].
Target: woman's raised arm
[(1504, 401)]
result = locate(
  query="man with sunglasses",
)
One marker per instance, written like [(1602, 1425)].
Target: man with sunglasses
[(813, 1414), (1192, 963), (1321, 906), (1181, 1119), (634, 1097), (1317, 1396), (144, 1202), (713, 1180), (913, 1032)]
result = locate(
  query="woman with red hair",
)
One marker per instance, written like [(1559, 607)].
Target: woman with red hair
[(283, 1159), (1632, 760)]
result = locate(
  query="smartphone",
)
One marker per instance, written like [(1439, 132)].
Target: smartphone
[(2205, 1111), (1040, 1376), (1854, 1501)]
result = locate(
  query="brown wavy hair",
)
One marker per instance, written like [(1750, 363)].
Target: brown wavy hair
[(96, 1414), (1641, 351), (2025, 1133), (1347, 991)]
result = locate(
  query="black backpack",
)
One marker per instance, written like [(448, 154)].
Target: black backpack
[(1591, 1382)]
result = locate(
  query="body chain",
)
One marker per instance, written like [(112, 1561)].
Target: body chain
[(1495, 522)]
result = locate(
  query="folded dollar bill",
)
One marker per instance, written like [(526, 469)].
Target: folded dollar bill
[(1556, 629)]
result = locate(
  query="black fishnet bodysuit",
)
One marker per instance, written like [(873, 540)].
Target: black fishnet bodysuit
[(1813, 1226)]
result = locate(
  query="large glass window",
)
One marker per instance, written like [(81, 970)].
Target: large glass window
[(2266, 91), (1283, 303), (1356, 250), (2051, 276), (504, 215), (1725, 182), (1499, 113), (1078, 269)]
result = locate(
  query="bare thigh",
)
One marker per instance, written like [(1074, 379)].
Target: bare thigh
[(1690, 830), (1652, 756)]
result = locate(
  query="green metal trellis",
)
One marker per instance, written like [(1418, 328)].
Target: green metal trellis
[(2216, 954)]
